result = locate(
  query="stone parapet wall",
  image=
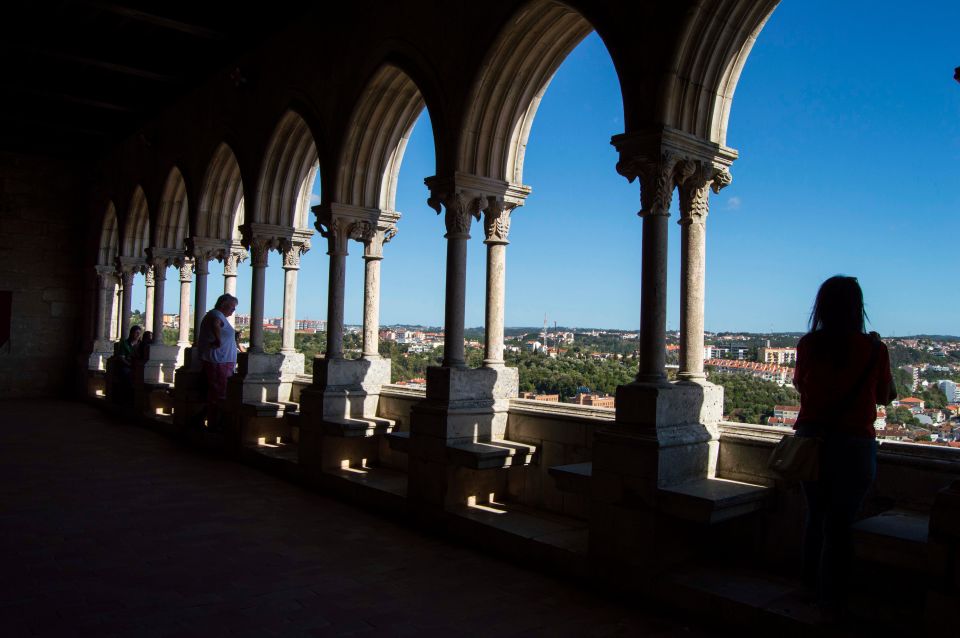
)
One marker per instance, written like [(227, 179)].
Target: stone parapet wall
[(41, 252)]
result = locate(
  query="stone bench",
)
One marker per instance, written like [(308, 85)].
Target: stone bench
[(706, 501), (479, 455)]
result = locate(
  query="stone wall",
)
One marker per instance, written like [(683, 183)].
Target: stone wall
[(41, 245), (563, 434)]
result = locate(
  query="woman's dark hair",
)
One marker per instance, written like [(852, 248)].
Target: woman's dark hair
[(839, 307)]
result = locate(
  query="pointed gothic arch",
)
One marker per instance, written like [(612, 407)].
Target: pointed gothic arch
[(286, 179), (506, 95), (221, 209), (380, 128), (172, 225), (136, 228)]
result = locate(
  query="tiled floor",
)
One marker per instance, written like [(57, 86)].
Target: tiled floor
[(109, 529)]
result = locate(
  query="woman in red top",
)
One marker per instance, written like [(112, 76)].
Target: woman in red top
[(842, 374)]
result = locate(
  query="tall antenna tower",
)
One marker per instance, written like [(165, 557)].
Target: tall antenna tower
[(545, 333)]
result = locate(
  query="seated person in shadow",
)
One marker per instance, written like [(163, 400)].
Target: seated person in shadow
[(124, 354)]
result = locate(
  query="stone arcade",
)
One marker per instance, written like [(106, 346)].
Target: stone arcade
[(222, 172)]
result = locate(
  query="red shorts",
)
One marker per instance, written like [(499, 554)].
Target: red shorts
[(217, 375)]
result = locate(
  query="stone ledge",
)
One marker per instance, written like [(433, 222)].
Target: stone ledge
[(357, 427), (573, 478), (566, 411), (401, 392), (495, 454), (711, 500)]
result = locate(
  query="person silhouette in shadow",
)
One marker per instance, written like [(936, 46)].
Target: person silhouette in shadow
[(842, 374)]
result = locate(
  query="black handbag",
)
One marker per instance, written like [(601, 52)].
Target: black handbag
[(797, 458)]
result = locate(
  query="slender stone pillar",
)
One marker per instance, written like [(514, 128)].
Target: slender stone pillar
[(459, 210), (371, 306), (186, 276), (201, 268), (695, 181), (260, 251), (149, 280), (336, 232), (231, 261), (126, 303), (496, 222), (656, 191), (160, 277), (105, 286), (292, 252)]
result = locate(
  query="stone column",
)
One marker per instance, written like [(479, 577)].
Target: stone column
[(106, 283), (201, 268), (373, 238), (186, 276), (126, 302), (496, 222), (460, 208), (291, 267), (336, 232), (160, 276), (656, 191), (149, 280), (260, 251), (695, 181), (231, 261)]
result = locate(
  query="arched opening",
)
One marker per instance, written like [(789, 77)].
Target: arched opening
[(281, 222), (543, 112), (373, 180), (133, 256), (171, 231), (216, 236), (107, 312)]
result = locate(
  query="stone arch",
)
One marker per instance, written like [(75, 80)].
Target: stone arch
[(289, 169), (380, 128), (221, 209), (710, 55), (515, 76), (136, 229), (172, 224), (109, 238)]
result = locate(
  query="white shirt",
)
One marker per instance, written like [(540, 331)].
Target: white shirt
[(227, 352)]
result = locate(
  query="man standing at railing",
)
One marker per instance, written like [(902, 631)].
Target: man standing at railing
[(218, 351)]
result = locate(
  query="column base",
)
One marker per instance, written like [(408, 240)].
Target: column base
[(457, 436), (665, 435), (101, 351), (161, 363), (338, 413)]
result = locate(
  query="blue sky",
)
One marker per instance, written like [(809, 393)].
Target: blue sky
[(847, 120)]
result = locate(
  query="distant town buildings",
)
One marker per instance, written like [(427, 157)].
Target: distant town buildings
[(779, 356), (533, 396), (594, 400), (780, 375)]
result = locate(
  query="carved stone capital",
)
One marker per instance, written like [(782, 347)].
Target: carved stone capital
[(496, 220), (149, 278), (201, 266), (292, 250), (695, 179), (460, 207), (336, 230), (186, 271), (232, 259), (260, 247)]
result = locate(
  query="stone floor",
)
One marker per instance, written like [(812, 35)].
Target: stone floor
[(108, 529)]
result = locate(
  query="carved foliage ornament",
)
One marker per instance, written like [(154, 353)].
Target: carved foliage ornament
[(260, 250), (292, 251), (149, 277), (695, 179), (337, 232), (186, 271), (231, 260), (496, 220), (460, 208)]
